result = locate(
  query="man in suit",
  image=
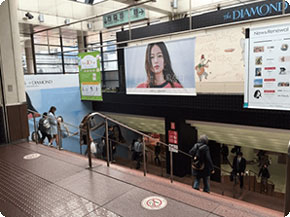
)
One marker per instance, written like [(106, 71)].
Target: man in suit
[(239, 166)]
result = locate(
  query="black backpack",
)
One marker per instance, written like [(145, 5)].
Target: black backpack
[(198, 155), (43, 125)]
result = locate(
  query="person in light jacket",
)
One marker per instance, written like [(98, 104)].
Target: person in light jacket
[(53, 125)]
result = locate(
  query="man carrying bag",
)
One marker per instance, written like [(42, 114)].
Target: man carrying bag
[(202, 165)]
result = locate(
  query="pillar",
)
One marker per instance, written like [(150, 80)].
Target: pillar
[(12, 77)]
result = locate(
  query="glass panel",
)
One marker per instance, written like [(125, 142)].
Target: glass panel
[(41, 49), (110, 46), (94, 38), (70, 59), (48, 59), (70, 42), (110, 66), (41, 69), (112, 75), (55, 50), (40, 39), (73, 50), (110, 55), (111, 85), (54, 40), (71, 68)]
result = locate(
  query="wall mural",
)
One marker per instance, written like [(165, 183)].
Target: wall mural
[(220, 55)]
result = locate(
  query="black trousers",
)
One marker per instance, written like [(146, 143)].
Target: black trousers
[(43, 136)]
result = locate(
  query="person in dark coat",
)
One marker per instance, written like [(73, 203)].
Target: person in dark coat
[(207, 169), (265, 175), (239, 167)]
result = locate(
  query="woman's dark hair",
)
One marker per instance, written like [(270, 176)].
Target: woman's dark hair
[(52, 109), (118, 134), (61, 118), (168, 73)]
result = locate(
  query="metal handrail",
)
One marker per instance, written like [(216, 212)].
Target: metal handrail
[(89, 116), (86, 121)]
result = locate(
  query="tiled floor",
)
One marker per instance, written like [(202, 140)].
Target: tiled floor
[(58, 183)]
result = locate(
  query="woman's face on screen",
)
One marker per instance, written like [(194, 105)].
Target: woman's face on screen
[(157, 60)]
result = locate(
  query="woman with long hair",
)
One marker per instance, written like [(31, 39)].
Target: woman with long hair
[(53, 125), (158, 68)]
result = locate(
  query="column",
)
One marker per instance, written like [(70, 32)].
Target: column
[(12, 77)]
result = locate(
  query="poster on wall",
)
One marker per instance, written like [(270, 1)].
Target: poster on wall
[(61, 91), (161, 68), (268, 71), (219, 56), (90, 76)]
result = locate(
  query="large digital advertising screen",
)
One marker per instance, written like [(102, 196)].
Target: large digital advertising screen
[(161, 68), (268, 71)]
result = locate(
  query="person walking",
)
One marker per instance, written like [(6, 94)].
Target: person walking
[(239, 166), (43, 127), (265, 175), (202, 166), (53, 125), (138, 149)]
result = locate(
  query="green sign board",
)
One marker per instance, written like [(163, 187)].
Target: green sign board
[(90, 76), (121, 17)]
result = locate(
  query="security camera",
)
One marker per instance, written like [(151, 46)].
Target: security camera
[(29, 15)]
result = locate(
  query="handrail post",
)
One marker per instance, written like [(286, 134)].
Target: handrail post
[(255, 180), (287, 193), (107, 142), (35, 128), (111, 150), (171, 167), (59, 140), (144, 156), (249, 180), (89, 143), (223, 183)]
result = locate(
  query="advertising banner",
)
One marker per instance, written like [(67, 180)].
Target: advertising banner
[(268, 73), (61, 91), (90, 76), (161, 68)]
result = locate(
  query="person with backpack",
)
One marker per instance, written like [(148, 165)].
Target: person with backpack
[(43, 127), (202, 165)]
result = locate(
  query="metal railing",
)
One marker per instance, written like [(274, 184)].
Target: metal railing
[(86, 126), (86, 121)]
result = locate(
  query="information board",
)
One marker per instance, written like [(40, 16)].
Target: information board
[(268, 68)]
